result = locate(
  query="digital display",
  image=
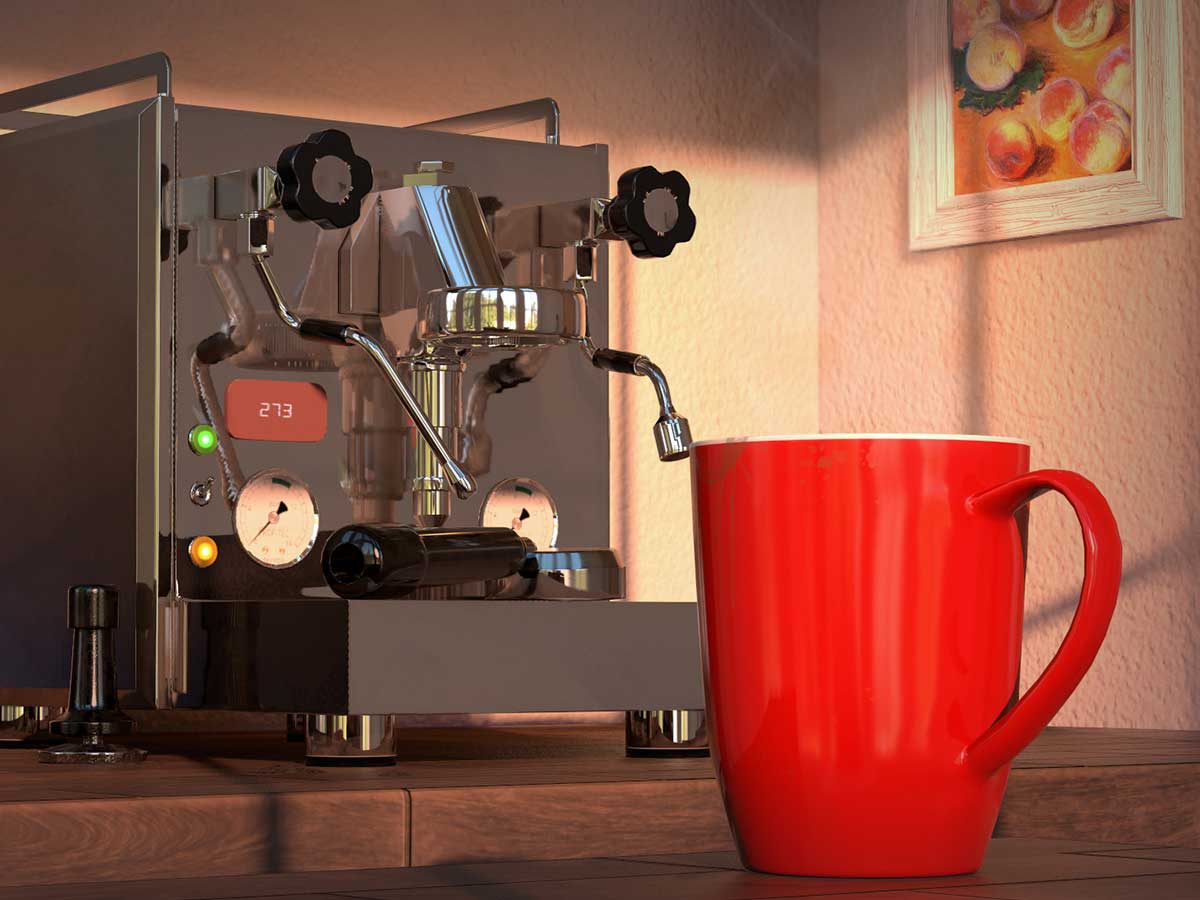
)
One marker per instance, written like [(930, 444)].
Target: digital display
[(258, 409)]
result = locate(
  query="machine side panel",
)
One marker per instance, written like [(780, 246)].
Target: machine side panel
[(78, 278)]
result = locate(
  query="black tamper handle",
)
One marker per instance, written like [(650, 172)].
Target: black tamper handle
[(93, 709)]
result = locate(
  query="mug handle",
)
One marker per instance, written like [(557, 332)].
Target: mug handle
[(1013, 731)]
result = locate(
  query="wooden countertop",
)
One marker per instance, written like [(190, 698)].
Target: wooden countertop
[(246, 805), (1015, 869)]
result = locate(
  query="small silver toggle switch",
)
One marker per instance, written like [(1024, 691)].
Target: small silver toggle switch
[(201, 492)]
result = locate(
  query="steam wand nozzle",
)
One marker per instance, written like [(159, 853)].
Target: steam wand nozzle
[(672, 435)]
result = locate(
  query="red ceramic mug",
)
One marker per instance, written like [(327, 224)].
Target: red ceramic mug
[(860, 611)]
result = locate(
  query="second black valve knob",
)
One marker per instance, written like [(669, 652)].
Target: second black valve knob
[(651, 212)]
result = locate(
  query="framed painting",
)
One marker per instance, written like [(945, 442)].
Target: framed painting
[(1031, 117)]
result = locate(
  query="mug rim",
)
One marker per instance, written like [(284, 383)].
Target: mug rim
[(796, 438)]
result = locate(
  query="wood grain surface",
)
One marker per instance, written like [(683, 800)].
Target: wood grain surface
[(1014, 868), (561, 821), (237, 805)]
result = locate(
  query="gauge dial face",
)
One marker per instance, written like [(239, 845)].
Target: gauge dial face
[(276, 519), (524, 506)]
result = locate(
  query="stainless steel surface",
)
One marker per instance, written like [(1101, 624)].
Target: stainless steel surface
[(666, 732), (522, 367), (27, 723), (437, 388), (454, 223), (502, 318), (155, 331), (152, 65), (545, 109), (338, 740), (200, 493), (593, 573), (464, 484), (672, 435), (85, 500)]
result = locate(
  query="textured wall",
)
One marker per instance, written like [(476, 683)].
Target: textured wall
[(724, 92), (1086, 344)]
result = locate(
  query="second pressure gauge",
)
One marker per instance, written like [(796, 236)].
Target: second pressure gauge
[(276, 519), (526, 507)]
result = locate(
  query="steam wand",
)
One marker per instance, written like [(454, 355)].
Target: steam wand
[(344, 333), (672, 434)]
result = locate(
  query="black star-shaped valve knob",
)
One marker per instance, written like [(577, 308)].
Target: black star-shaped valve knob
[(333, 205), (651, 211)]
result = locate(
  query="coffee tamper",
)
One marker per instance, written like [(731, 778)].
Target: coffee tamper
[(93, 711)]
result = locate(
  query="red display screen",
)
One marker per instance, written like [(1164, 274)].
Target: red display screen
[(260, 410)]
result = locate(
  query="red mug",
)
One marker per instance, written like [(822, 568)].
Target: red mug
[(860, 612)]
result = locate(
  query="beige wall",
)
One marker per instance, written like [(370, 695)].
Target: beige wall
[(723, 92), (1088, 344)]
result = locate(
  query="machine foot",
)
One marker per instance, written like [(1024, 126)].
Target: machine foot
[(25, 725), (336, 740), (665, 732)]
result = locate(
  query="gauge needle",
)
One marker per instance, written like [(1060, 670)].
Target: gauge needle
[(271, 519)]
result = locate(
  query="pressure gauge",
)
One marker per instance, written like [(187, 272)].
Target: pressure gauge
[(276, 519), (524, 506)]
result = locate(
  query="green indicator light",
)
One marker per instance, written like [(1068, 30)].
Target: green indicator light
[(202, 439)]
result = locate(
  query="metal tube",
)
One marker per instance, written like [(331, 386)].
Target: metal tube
[(464, 484), (152, 65), (501, 117)]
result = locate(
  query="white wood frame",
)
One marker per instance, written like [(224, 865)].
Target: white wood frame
[(1151, 189)]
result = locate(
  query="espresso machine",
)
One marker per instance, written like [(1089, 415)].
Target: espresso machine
[(317, 420)]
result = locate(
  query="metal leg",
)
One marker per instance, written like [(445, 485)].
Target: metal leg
[(27, 724), (665, 732), (295, 727), (335, 740)]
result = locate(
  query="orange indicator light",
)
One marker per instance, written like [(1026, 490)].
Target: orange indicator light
[(202, 551)]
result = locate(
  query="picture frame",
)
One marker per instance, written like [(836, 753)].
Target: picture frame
[(1149, 189)]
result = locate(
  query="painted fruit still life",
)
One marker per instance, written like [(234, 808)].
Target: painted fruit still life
[(1043, 90)]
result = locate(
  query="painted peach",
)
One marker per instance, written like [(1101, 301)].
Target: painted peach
[(968, 16), (1011, 149), (1058, 104), (1114, 77), (1101, 138), (1028, 9), (994, 56), (1081, 23)]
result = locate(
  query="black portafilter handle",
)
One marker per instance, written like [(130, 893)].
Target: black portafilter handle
[(305, 198), (395, 560), (93, 707), (651, 211)]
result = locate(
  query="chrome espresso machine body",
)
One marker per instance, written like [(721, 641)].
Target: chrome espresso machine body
[(314, 398)]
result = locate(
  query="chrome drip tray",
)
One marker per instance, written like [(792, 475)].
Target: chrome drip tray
[(502, 317), (588, 573)]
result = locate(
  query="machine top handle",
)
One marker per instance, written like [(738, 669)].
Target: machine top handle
[(152, 65), (501, 117)]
